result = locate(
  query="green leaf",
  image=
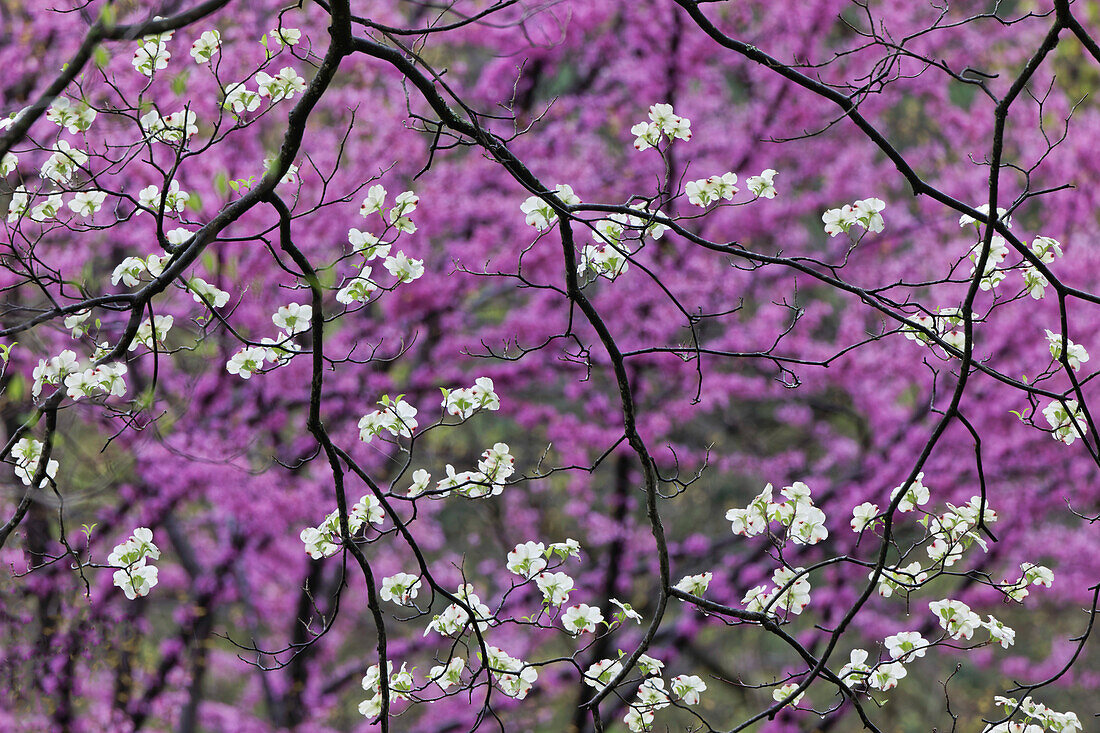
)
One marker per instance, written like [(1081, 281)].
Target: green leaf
[(179, 82)]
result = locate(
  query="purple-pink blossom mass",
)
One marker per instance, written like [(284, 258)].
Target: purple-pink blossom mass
[(549, 365)]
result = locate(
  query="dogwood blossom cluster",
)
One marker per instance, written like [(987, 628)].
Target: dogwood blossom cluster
[(404, 268), (205, 46), (134, 575), (953, 532), (1047, 250), (28, 455), (1076, 354), (662, 122), (397, 417), (152, 54), (53, 370), (152, 335), (448, 676), (804, 522), (653, 694), (464, 402), (866, 213), (695, 585), (706, 191), (75, 118), (495, 466), (106, 379), (1067, 421), (784, 691), (512, 676), (455, 619), (540, 214), (581, 618), (948, 324), (175, 199), (400, 687), (1035, 718), (172, 130), (202, 291), (284, 85), (401, 588), (900, 579), (763, 185), (991, 274), (792, 593), (64, 163), (324, 540), (1031, 574)]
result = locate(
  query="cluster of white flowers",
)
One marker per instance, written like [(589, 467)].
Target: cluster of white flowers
[(448, 676), (901, 579), (948, 324), (285, 36), (240, 99), (293, 318), (1067, 421), (205, 46), (512, 676), (397, 417), (174, 198), (540, 215), (358, 289), (953, 532), (763, 185), (152, 335), (1031, 574), (134, 576), (401, 588), (916, 495), (455, 620), (132, 269), (865, 213), (794, 599), (495, 466), (805, 523), (400, 686), (200, 290), (284, 85), (464, 402), (1047, 250), (152, 54), (247, 361), (706, 191), (75, 118), (406, 269), (662, 121), (581, 618), (87, 203), (324, 539), (991, 274), (1076, 354), (653, 694), (695, 585), (103, 379), (784, 691), (956, 618), (64, 162), (172, 130), (53, 370), (1036, 718), (28, 454)]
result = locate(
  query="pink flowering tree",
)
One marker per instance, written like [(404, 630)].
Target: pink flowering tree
[(548, 365)]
